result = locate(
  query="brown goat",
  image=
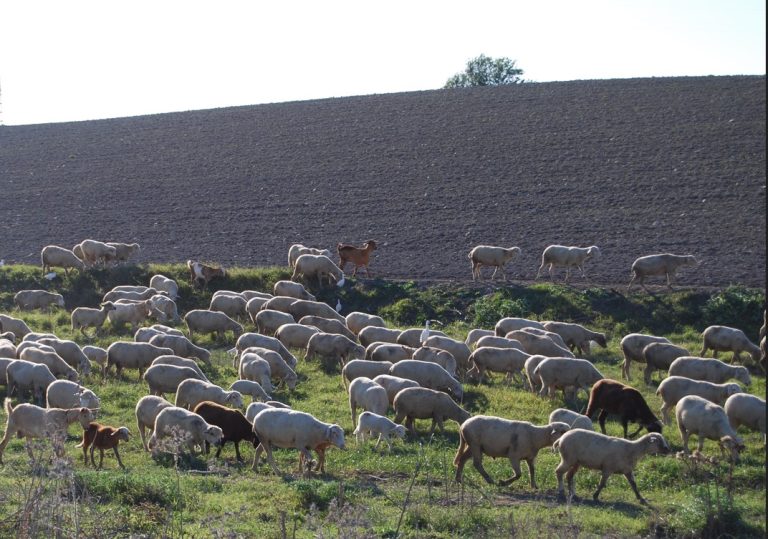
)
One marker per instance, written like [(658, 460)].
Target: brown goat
[(359, 256), (201, 273), (102, 437), (613, 397)]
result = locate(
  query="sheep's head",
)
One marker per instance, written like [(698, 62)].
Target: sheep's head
[(742, 375), (213, 435), (557, 429), (656, 443), (732, 389), (370, 245), (601, 340), (732, 447), (108, 306), (399, 431), (235, 399), (335, 435), (60, 301), (690, 260), (123, 434)]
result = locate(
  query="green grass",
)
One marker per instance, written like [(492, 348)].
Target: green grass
[(364, 491)]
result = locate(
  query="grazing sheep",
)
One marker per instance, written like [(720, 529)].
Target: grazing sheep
[(474, 335), (297, 249), (172, 421), (146, 334), (278, 367), (278, 303), (123, 251), (66, 394), (130, 313), (25, 375), (96, 355), (268, 321), (292, 429), (192, 392), (505, 325), (30, 421), (289, 288), (250, 294), (583, 448), (612, 397), (60, 257), (295, 335), (37, 299), (102, 437), (15, 325), (632, 346), (659, 356), (393, 384), (232, 306), (23, 345), (179, 361), (326, 325), (250, 388), (51, 359), (371, 334), (488, 255), (256, 407), (85, 317), (498, 342), (576, 337), (428, 375), (707, 420), (320, 267), (133, 295), (674, 388), (204, 321), (358, 256), (539, 344), (747, 410), (571, 418), (367, 394), (498, 437), (725, 339), (412, 337), (709, 370), (167, 330), (247, 340), (301, 308), (660, 264), (424, 403), (560, 255), (132, 355), (254, 305), (554, 337), (564, 372), (147, 409), (94, 252), (333, 348), (356, 321), (164, 308), (233, 424), (506, 360), (7, 348), (181, 346), (201, 274), (435, 355), (164, 378), (357, 368), (392, 352), (69, 352), (141, 289), (370, 424), (161, 283), (459, 349)]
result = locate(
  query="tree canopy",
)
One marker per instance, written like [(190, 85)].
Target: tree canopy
[(487, 71)]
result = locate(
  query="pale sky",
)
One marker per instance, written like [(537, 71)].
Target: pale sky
[(82, 60)]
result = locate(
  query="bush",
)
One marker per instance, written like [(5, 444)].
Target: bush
[(737, 307)]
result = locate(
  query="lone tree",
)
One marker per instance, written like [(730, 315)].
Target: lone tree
[(486, 71)]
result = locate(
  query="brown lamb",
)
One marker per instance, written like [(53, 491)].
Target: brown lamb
[(102, 437)]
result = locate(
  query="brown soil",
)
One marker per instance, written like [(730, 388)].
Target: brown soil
[(634, 166)]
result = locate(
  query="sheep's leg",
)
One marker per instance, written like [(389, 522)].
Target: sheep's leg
[(567, 273), (631, 478), (85, 454), (271, 458), (375, 447), (352, 409), (237, 452), (700, 446), (684, 434), (665, 413), (117, 456), (517, 473), (256, 455), (559, 471), (647, 372), (632, 280), (93, 461), (531, 471), (601, 486), (569, 478), (496, 268), (736, 357), (409, 425), (602, 417), (477, 462), (101, 456)]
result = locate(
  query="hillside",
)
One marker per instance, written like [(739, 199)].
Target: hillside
[(635, 166)]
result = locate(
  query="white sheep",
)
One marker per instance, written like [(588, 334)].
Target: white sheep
[(30, 421), (295, 335), (371, 424), (287, 428), (596, 451), (85, 317), (301, 308), (674, 388), (539, 344), (254, 408), (37, 299), (133, 355), (181, 346), (254, 305), (565, 373), (459, 349), (192, 392), (49, 358), (25, 375), (710, 370), (576, 337), (97, 355), (725, 339), (659, 264), (279, 369), (273, 357), (498, 342), (60, 257), (204, 321), (489, 255), (289, 288), (474, 335), (505, 325), (412, 336), (66, 394), (92, 252), (356, 321), (747, 410), (572, 419), (435, 355), (147, 410), (428, 375), (232, 306), (561, 255), (394, 384), (506, 360), (392, 352), (498, 437), (279, 303), (250, 388), (161, 283), (336, 349), (367, 394), (146, 334), (7, 348), (163, 378), (179, 361), (247, 340), (297, 249), (130, 313), (164, 308), (173, 421), (363, 367), (70, 352), (123, 251), (326, 325), (15, 325), (423, 403), (659, 356), (132, 295), (320, 267), (268, 321), (706, 419), (371, 334), (632, 346)]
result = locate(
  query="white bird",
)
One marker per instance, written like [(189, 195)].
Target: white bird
[(341, 281), (2, 262), (50, 276), (425, 333), (338, 305)]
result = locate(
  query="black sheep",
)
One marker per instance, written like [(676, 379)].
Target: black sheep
[(233, 424), (613, 397)]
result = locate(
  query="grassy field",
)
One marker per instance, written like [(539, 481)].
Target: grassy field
[(409, 492)]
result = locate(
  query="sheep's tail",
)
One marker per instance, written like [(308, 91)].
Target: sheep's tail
[(556, 446), (8, 406), (462, 447)]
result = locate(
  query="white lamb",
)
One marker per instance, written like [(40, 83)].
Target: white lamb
[(161, 283), (250, 388), (172, 421), (289, 288), (489, 255), (747, 410), (394, 384), (371, 334), (130, 313), (232, 306), (505, 325), (85, 317), (434, 355), (267, 321), (459, 349), (474, 335), (428, 375), (181, 346), (561, 255), (37, 299), (356, 321), (179, 361), (370, 424), (423, 403), (632, 346), (725, 339), (163, 379), (320, 267), (295, 335), (49, 358), (25, 375), (566, 373), (707, 420), (576, 337), (92, 252), (204, 321), (571, 418), (674, 388), (297, 249), (363, 367), (710, 370), (147, 410), (506, 360), (367, 394), (659, 356)]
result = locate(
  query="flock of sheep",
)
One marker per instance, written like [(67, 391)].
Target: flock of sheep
[(418, 373)]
